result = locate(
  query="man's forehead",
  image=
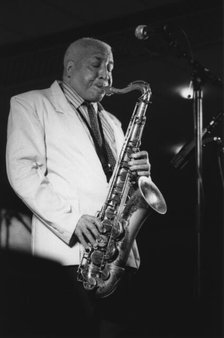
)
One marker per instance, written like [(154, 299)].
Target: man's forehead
[(99, 51)]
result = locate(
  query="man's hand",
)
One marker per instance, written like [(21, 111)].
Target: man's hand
[(139, 163), (87, 229)]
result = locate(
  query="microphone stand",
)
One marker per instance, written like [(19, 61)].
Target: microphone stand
[(200, 75), (198, 130)]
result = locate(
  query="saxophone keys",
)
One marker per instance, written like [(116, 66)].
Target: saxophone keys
[(112, 251), (90, 284), (118, 230), (97, 257), (101, 241)]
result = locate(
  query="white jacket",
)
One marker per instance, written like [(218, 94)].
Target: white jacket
[(53, 167)]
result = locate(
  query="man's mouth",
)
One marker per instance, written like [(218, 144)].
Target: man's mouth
[(101, 84), (101, 87)]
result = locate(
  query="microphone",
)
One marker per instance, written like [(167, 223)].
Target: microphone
[(144, 32), (141, 32)]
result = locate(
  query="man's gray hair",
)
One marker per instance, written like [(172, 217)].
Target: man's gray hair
[(73, 50)]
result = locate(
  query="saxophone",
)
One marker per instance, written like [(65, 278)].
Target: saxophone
[(125, 209)]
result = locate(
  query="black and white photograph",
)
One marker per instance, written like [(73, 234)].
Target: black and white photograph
[(112, 169)]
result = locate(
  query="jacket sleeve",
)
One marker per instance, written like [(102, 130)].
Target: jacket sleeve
[(27, 170)]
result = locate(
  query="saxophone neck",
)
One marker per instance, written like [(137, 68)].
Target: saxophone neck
[(142, 86)]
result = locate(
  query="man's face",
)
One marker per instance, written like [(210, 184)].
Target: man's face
[(91, 72)]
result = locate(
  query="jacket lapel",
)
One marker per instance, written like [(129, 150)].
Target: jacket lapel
[(58, 99)]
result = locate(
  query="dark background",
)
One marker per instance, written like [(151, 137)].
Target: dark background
[(33, 38)]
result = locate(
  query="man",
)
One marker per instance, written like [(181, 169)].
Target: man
[(56, 163)]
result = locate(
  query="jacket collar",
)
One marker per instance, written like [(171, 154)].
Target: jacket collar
[(58, 98)]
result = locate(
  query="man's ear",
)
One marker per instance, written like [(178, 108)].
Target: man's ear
[(69, 67)]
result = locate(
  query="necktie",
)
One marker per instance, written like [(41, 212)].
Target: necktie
[(102, 147), (94, 124)]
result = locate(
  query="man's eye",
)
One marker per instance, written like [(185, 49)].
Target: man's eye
[(95, 65)]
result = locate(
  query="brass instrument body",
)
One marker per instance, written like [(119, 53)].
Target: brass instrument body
[(123, 213)]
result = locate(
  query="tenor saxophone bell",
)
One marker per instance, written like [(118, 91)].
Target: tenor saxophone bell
[(152, 194)]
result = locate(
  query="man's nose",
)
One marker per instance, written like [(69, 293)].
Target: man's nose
[(103, 72)]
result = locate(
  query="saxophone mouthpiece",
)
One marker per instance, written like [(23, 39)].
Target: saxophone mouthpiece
[(108, 90)]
